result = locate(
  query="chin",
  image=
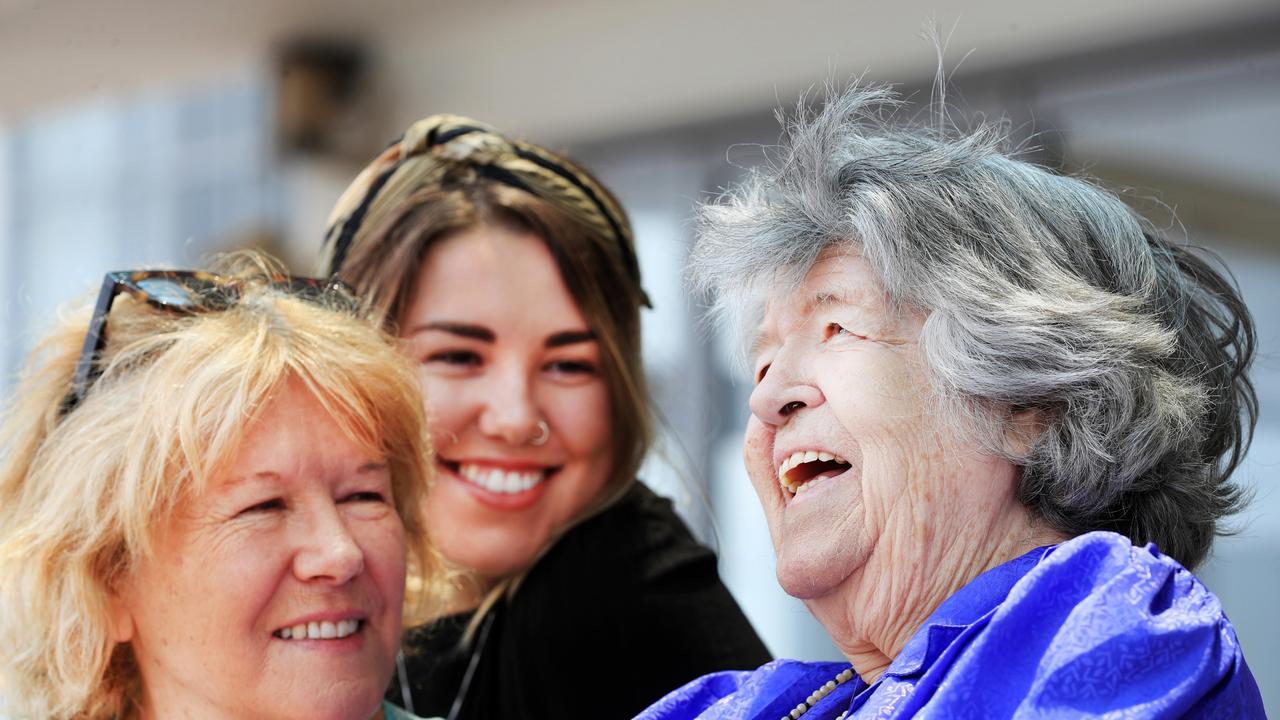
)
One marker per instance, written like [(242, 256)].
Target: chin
[(365, 705), (335, 700), (497, 559), (807, 576)]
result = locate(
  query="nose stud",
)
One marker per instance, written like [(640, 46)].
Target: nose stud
[(544, 432)]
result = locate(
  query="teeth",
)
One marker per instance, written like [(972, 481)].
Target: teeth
[(799, 458), (319, 630), (501, 481)]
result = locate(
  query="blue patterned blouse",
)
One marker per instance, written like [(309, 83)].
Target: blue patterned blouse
[(1091, 627)]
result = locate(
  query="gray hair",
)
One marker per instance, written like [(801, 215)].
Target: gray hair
[(1044, 292)]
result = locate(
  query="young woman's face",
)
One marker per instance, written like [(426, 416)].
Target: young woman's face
[(514, 388)]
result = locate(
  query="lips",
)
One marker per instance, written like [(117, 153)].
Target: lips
[(803, 466)]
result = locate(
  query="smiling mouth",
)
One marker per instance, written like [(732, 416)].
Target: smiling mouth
[(798, 471), (498, 480), (324, 630)]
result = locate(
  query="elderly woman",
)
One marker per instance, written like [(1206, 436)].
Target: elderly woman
[(994, 421), (208, 505)]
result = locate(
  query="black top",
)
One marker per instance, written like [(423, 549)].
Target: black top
[(624, 608)]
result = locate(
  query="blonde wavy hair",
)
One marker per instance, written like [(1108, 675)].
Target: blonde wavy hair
[(82, 492)]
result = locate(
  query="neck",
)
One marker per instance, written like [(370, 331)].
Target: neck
[(874, 612), (469, 592), (154, 707)]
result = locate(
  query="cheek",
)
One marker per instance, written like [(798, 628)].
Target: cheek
[(583, 420), (382, 542), (448, 406), (757, 454), (583, 425), (179, 604)]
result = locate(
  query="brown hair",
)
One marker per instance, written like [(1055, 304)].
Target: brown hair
[(384, 265)]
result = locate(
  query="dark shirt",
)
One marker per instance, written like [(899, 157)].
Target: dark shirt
[(623, 609)]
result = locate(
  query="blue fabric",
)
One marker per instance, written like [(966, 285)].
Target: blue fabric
[(1091, 627)]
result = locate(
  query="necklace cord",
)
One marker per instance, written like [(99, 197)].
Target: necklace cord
[(456, 708)]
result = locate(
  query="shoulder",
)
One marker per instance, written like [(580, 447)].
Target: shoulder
[(770, 691), (630, 585), (1101, 625), (1104, 583), (635, 540)]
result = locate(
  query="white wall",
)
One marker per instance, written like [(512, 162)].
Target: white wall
[(563, 70)]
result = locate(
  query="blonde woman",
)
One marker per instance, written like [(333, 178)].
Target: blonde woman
[(510, 275), (210, 497)]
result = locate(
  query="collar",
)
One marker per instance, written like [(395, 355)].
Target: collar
[(968, 606)]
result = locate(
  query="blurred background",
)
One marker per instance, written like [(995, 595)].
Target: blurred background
[(140, 133)]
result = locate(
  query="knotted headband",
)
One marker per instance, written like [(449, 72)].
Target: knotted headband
[(434, 146)]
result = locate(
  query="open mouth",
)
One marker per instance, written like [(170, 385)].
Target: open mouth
[(323, 630), (802, 468), (499, 480)]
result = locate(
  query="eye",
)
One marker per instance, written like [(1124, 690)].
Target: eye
[(365, 496), (454, 358), (571, 367), (264, 507), (453, 361), (835, 330)]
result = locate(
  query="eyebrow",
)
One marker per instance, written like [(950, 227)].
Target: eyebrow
[(569, 337), (827, 298), (474, 332), (484, 334), (820, 299), (245, 479)]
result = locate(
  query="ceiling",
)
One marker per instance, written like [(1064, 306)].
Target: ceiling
[(562, 69)]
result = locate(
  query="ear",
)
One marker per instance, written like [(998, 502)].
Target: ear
[(119, 615), (1023, 430)]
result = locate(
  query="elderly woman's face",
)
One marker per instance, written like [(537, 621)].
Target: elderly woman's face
[(843, 446), (278, 591)]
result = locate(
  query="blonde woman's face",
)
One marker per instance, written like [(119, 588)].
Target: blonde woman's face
[(276, 593), (519, 408)]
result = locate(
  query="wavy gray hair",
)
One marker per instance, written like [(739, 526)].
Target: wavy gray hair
[(1043, 292)]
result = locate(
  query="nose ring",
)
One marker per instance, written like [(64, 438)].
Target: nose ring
[(544, 432)]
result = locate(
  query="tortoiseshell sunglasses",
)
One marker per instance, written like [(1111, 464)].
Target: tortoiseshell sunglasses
[(185, 292)]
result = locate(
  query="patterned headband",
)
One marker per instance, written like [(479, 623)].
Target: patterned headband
[(431, 147)]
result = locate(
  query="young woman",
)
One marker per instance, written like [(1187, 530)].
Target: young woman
[(511, 276)]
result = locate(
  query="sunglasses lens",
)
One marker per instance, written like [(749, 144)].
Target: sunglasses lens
[(169, 292)]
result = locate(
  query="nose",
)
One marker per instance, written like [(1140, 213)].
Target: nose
[(784, 390), (327, 552), (510, 411)]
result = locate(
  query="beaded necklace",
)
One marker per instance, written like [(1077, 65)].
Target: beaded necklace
[(845, 676)]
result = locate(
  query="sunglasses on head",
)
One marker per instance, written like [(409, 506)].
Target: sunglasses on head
[(184, 292)]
